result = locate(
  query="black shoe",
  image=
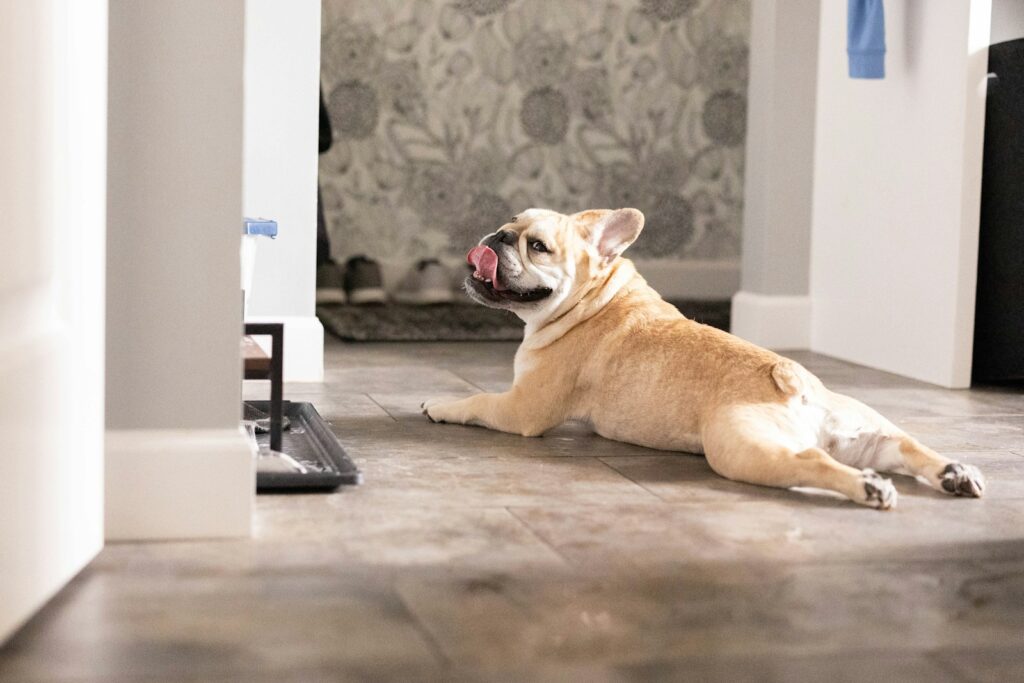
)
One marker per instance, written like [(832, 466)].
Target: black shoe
[(330, 284), (363, 281)]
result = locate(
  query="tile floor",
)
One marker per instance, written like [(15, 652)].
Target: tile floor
[(473, 555)]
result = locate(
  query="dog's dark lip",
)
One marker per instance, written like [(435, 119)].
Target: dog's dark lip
[(488, 291)]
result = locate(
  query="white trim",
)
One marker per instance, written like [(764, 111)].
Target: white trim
[(303, 346), (330, 295), (435, 295), (691, 279), (772, 321), (368, 295), (179, 483)]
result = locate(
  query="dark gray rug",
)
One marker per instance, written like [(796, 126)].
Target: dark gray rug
[(460, 321)]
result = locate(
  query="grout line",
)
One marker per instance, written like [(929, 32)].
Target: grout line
[(536, 534), (421, 627), (629, 478), (386, 411), (469, 382)]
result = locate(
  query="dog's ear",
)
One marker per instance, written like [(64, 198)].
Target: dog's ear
[(616, 231)]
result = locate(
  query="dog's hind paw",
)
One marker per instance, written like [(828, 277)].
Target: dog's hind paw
[(962, 480), (879, 493)]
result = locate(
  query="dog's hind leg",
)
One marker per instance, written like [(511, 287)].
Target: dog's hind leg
[(755, 451), (858, 435), (900, 452)]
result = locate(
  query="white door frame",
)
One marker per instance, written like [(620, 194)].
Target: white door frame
[(53, 72), (897, 192)]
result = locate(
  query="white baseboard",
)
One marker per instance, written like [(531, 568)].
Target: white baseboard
[(691, 279), (775, 322), (303, 346), (178, 484)]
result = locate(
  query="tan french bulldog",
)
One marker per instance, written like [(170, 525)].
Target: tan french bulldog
[(601, 346)]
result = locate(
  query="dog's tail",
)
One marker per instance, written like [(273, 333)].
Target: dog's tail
[(791, 379)]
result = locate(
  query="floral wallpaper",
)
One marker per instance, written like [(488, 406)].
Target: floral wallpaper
[(450, 116)]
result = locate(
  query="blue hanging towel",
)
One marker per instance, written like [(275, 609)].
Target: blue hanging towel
[(865, 38)]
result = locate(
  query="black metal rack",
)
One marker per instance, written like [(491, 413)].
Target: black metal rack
[(275, 373)]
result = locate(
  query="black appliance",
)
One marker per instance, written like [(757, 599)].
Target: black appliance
[(999, 311)]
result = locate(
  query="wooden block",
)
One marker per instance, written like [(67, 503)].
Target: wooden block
[(256, 360)]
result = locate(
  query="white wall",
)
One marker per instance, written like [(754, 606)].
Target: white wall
[(282, 80), (175, 214), (1007, 20), (780, 146), (53, 61), (773, 306), (173, 298), (896, 192)]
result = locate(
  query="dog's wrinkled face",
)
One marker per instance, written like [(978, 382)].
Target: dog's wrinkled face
[(541, 258)]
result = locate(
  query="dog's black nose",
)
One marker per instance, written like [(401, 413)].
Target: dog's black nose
[(506, 237)]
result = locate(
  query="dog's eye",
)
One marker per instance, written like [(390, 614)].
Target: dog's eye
[(539, 246)]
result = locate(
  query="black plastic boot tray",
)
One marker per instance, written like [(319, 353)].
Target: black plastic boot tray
[(311, 443)]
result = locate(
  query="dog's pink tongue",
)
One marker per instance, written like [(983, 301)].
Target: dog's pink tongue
[(486, 263)]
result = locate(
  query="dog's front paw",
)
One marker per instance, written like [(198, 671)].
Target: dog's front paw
[(962, 480), (431, 408), (879, 493)]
